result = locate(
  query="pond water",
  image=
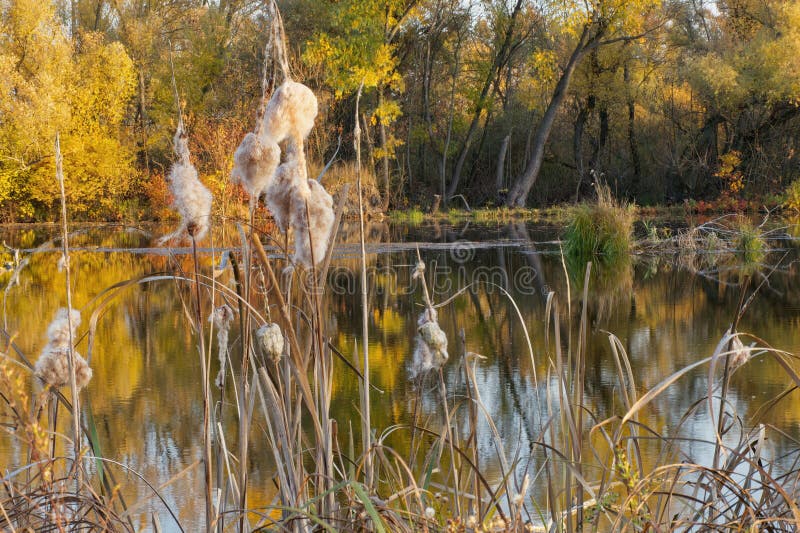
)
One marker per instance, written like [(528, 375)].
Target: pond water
[(146, 402)]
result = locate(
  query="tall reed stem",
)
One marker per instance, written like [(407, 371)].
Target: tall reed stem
[(366, 425), (207, 467), (73, 384)]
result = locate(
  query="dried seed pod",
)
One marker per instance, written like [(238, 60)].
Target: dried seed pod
[(52, 367), (254, 165), (312, 222), (270, 338), (290, 113), (191, 198)]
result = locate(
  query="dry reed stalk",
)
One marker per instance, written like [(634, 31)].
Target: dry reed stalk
[(366, 423), (210, 515), (73, 384)]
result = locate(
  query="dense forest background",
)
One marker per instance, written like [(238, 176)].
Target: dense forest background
[(506, 102)]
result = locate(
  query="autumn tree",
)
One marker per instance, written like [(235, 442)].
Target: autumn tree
[(360, 48), (48, 85), (590, 26), (746, 74)]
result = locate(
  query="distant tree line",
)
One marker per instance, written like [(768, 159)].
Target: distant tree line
[(506, 102)]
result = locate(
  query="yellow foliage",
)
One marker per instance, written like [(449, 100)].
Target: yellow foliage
[(733, 179), (46, 86), (792, 201)]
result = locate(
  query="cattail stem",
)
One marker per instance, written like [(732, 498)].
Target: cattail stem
[(73, 384), (204, 370), (244, 388), (366, 424)]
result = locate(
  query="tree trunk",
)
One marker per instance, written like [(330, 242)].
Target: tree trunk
[(450, 116), (501, 160), (632, 145), (599, 143), (428, 114), (577, 144), (518, 195)]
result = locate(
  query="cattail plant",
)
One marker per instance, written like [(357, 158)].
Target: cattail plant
[(192, 199), (290, 174), (288, 116), (52, 367), (303, 205), (222, 318), (430, 343)]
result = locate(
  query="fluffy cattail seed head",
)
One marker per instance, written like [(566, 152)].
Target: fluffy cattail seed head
[(290, 113), (222, 317), (270, 338), (312, 222), (52, 367), (58, 332), (191, 198), (290, 176), (254, 165), (430, 344)]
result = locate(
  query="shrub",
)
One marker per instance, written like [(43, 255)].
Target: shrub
[(792, 196)]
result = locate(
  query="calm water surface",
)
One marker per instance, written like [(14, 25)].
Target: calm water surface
[(146, 400)]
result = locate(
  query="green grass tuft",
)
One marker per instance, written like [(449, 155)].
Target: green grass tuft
[(413, 216), (601, 230), (749, 242)]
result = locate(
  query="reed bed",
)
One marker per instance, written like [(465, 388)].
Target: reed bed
[(580, 472), (589, 473)]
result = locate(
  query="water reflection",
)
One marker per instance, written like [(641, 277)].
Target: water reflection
[(147, 403)]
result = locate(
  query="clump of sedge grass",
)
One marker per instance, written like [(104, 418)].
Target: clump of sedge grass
[(413, 216), (600, 230), (749, 242)]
